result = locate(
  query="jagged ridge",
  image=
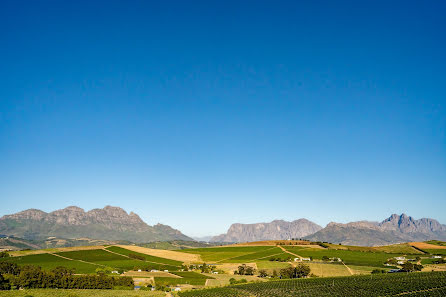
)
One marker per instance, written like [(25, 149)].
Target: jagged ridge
[(111, 223)]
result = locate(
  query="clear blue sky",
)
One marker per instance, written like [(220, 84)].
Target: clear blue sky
[(202, 114)]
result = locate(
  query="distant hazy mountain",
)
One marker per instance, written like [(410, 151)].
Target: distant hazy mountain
[(275, 230), (395, 229), (110, 223), (203, 238)]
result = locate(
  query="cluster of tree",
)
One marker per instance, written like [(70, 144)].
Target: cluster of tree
[(4, 254), (409, 267), (233, 281), (137, 257), (244, 270), (378, 271), (106, 270), (301, 270), (60, 277)]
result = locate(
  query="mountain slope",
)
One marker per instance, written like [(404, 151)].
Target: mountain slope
[(111, 223), (395, 229), (276, 230)]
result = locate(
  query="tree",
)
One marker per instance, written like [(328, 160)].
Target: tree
[(241, 269), (287, 272), (302, 270), (263, 273), (4, 283), (4, 254), (325, 258), (408, 267), (274, 273), (9, 268)]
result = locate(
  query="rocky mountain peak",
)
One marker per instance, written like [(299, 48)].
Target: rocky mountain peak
[(275, 230)]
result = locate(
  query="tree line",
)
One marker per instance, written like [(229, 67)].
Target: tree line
[(31, 277)]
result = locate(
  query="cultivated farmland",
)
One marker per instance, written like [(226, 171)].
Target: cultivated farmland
[(415, 284)]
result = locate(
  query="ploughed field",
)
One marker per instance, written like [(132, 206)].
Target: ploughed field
[(397, 284)]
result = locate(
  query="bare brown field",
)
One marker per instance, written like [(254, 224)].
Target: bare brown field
[(55, 250), (423, 245), (173, 255)]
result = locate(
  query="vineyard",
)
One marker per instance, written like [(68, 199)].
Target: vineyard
[(405, 284)]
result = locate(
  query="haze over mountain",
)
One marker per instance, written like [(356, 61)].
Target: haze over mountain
[(395, 229), (274, 230), (110, 223)]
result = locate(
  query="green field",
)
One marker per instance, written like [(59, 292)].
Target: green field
[(436, 251), (223, 254), (348, 257), (188, 277), (80, 293), (262, 255), (48, 261), (412, 284), (149, 258)]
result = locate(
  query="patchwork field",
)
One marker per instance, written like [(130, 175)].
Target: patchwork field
[(375, 259), (226, 259), (167, 254)]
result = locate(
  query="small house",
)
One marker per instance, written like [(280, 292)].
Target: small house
[(400, 258)]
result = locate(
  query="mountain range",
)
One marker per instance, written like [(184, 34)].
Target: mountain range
[(74, 226), (109, 223), (395, 229)]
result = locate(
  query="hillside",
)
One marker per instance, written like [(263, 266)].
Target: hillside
[(109, 223), (395, 229), (275, 230)]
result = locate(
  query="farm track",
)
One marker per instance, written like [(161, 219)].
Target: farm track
[(92, 263), (288, 252), (243, 255), (291, 253), (147, 261), (267, 256), (348, 268)]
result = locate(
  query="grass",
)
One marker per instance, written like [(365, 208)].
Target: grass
[(436, 242), (436, 251), (80, 293), (348, 257), (102, 257), (270, 265), (218, 254), (48, 261), (93, 255), (328, 270), (251, 257), (149, 258), (187, 277)]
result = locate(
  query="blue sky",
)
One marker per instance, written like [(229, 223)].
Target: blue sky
[(202, 114)]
